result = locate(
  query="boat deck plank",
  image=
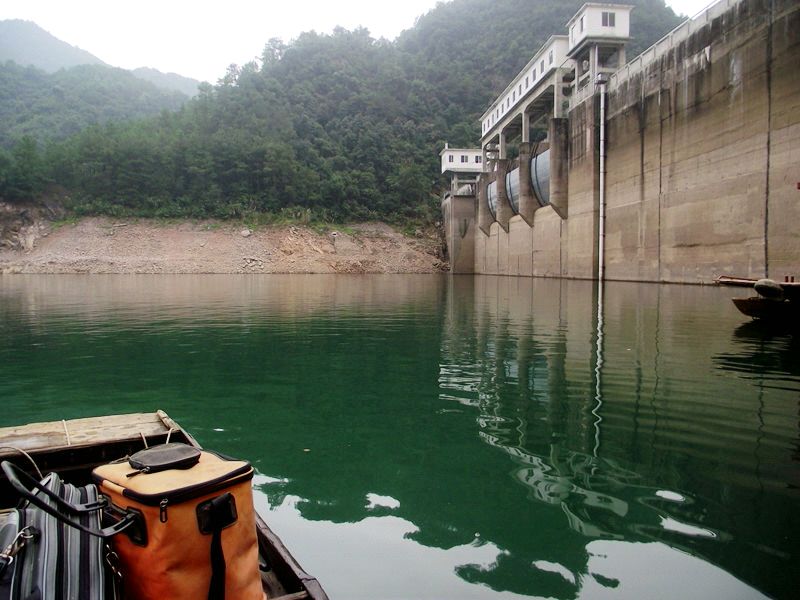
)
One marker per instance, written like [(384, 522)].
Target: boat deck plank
[(80, 432)]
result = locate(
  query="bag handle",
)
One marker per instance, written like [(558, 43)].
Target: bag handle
[(16, 476)]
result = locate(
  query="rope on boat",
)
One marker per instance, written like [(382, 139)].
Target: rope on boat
[(169, 434), (26, 455), (66, 431), (144, 439)]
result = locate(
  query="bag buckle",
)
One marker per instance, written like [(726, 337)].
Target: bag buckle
[(113, 564), (217, 513), (25, 535)]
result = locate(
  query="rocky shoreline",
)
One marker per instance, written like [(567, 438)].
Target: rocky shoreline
[(31, 243)]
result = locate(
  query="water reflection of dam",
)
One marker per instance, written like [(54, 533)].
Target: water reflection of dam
[(677, 441)]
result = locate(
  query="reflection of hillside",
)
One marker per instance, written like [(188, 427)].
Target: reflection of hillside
[(188, 296)]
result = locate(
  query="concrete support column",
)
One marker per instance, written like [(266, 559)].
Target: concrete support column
[(526, 127), (528, 204), (558, 93), (501, 146), (558, 132), (485, 218), (594, 67), (504, 210), (459, 224)]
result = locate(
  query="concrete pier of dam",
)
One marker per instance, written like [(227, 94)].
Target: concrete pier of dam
[(701, 154)]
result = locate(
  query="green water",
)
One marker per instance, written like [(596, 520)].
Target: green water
[(437, 437)]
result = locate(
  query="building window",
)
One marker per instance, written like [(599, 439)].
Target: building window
[(478, 159), (450, 158), (542, 66), (514, 96), (550, 57), (582, 21), (533, 74), (520, 89), (608, 19), (464, 158), (526, 82)]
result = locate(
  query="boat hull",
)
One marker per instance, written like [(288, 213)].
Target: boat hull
[(769, 310)]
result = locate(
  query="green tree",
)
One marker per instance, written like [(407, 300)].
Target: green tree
[(25, 177)]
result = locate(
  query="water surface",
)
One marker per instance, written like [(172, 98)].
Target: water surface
[(452, 437)]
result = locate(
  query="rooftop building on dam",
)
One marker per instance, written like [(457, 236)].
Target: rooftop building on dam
[(680, 165)]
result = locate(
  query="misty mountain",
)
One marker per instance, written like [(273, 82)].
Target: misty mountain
[(168, 81), (27, 44)]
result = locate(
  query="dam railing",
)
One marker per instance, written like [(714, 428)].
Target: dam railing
[(669, 41)]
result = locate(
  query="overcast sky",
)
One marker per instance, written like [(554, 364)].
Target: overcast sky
[(200, 39)]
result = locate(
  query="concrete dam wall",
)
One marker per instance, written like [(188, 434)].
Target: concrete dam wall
[(702, 164)]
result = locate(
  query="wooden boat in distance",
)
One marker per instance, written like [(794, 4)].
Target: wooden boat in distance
[(790, 289), (73, 448), (777, 301)]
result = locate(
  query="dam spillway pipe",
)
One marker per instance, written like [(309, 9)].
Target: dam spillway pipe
[(601, 246)]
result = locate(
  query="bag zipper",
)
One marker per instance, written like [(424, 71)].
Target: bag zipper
[(138, 472), (206, 489), (162, 500)]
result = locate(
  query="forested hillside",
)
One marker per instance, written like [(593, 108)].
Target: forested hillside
[(334, 126), (54, 106)]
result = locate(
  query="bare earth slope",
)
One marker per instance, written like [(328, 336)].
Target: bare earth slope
[(101, 245)]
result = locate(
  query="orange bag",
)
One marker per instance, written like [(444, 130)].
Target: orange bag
[(197, 535)]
